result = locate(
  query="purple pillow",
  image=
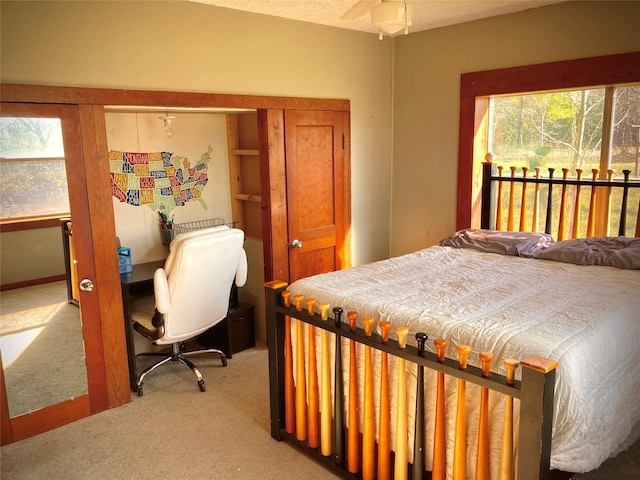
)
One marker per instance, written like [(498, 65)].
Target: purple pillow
[(619, 252), (523, 244)]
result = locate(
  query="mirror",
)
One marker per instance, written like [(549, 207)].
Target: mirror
[(41, 340)]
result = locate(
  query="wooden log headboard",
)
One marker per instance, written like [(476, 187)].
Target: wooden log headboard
[(572, 207)]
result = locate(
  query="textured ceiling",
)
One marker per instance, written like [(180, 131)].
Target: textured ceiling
[(354, 14)]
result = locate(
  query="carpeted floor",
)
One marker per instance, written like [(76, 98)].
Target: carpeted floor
[(173, 431), (625, 466), (176, 431)]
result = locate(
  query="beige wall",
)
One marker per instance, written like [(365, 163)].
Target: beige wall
[(31, 254), (188, 46), (427, 88), (137, 226), (194, 47)]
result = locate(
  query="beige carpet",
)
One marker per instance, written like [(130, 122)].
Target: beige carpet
[(42, 347), (176, 432), (173, 431)]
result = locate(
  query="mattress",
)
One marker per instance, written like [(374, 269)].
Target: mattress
[(585, 317)]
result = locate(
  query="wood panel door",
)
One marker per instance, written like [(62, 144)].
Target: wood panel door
[(95, 256), (318, 187)]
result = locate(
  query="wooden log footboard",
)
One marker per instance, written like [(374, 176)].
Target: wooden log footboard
[(327, 424)]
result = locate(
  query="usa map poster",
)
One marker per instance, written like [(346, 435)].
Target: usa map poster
[(160, 180)]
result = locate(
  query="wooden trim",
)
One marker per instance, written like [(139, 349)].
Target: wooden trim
[(38, 421), (472, 121), (475, 87), (45, 419), (30, 283), (6, 426), (583, 72), (105, 96), (344, 239), (77, 177), (539, 364), (245, 152), (274, 195), (115, 379), (16, 225)]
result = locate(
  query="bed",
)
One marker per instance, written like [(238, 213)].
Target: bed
[(568, 311)]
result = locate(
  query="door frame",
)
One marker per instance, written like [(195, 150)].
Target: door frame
[(91, 104)]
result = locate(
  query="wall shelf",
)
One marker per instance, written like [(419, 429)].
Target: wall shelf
[(247, 197), (244, 172), (246, 152)]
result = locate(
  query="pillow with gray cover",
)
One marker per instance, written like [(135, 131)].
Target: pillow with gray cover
[(523, 244), (619, 252)]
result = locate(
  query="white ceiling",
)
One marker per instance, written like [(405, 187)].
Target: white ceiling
[(426, 14)]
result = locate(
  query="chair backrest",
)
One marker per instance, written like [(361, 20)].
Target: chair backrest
[(192, 291)]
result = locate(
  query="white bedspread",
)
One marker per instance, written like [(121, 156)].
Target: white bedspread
[(585, 317)]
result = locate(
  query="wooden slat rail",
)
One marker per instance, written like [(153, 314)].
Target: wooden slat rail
[(493, 184), (535, 392)]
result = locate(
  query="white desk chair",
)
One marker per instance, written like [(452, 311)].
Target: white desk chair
[(191, 294)]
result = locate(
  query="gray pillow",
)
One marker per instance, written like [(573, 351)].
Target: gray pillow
[(523, 244), (620, 252)]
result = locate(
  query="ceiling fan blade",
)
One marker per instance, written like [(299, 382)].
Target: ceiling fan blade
[(359, 9)]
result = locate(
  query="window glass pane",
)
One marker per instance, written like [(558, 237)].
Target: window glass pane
[(33, 179), (559, 129), (625, 146), (564, 129), (31, 137), (625, 142)]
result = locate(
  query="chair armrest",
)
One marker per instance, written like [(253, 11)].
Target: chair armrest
[(161, 291), (241, 271)]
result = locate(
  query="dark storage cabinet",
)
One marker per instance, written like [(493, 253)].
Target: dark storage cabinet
[(234, 334)]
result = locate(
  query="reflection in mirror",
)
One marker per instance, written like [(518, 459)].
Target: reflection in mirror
[(42, 347), (41, 340)]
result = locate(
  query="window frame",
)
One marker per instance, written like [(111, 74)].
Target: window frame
[(477, 87), (31, 223)]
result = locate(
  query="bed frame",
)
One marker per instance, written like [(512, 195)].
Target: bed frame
[(331, 429), (573, 194)]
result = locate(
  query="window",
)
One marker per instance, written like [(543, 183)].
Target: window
[(33, 181), (608, 138), (565, 129), (569, 129)]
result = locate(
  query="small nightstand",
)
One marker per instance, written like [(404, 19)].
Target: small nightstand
[(233, 334)]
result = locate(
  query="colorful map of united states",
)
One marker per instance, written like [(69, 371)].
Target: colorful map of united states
[(160, 180)]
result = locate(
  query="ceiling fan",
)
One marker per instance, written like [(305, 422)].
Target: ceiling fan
[(388, 16)]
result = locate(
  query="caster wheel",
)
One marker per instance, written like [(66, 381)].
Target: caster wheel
[(140, 392), (202, 386), (224, 361)]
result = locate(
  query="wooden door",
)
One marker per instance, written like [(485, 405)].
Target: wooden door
[(318, 191), (90, 248), (306, 191)]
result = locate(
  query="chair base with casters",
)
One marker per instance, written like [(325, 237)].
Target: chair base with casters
[(177, 354)]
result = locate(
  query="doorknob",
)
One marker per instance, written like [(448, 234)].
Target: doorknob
[(86, 285), (296, 243)]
